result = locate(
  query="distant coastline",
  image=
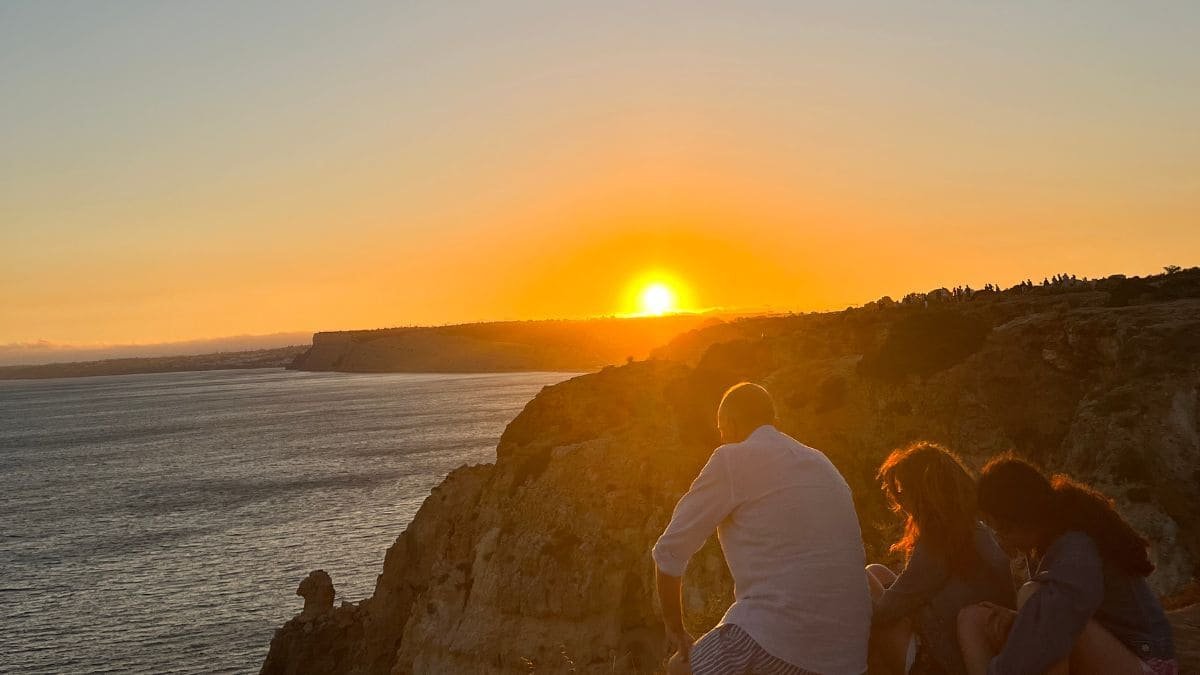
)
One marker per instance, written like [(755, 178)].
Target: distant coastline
[(256, 358), (488, 347)]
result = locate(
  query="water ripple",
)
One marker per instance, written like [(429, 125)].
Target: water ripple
[(149, 516)]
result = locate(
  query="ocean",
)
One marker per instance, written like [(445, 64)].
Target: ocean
[(161, 523)]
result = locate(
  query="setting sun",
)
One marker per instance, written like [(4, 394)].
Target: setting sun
[(658, 299)]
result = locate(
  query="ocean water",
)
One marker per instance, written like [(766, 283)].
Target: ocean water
[(161, 523)]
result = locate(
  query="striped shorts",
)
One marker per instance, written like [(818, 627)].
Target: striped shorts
[(729, 650)]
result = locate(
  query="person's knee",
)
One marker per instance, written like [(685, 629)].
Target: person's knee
[(973, 619), (880, 577), (1026, 592), (879, 571), (677, 666)]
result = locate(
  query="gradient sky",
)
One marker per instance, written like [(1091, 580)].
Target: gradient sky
[(173, 171)]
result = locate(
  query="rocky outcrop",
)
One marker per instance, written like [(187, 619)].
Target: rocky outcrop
[(317, 591), (540, 562), (319, 638)]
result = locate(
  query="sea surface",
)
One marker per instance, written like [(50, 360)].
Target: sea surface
[(161, 523)]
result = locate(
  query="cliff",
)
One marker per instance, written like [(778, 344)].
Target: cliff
[(540, 562), (580, 345)]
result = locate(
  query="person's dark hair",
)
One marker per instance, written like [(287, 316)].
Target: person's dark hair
[(1018, 493), (935, 492)]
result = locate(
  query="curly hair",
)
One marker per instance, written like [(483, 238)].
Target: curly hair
[(1015, 491), (935, 493)]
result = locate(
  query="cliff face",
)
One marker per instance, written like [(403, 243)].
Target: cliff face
[(541, 561), (501, 346)]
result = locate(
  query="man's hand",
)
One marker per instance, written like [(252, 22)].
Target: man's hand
[(670, 595), (682, 642)]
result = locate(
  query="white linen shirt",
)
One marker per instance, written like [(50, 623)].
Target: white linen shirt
[(790, 535)]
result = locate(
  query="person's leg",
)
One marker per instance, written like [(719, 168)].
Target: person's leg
[(677, 666), (890, 647), (1099, 651), (1096, 651), (724, 650), (889, 644), (879, 578), (977, 651), (1023, 594)]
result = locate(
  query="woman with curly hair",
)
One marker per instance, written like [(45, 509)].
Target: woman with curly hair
[(1088, 608), (952, 561)]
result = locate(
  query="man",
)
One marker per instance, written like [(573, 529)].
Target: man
[(791, 538)]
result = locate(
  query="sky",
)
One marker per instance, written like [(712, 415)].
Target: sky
[(184, 171)]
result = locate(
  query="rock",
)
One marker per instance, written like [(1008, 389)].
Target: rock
[(317, 591)]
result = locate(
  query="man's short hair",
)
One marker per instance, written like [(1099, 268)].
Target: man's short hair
[(748, 405)]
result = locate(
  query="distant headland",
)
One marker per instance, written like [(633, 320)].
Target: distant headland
[(562, 345)]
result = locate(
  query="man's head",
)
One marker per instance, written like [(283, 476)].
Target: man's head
[(744, 408)]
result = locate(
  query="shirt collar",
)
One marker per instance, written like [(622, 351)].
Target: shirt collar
[(762, 431)]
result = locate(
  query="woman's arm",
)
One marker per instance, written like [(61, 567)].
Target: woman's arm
[(1070, 587), (923, 576)]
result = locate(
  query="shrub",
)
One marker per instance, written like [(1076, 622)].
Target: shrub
[(925, 343)]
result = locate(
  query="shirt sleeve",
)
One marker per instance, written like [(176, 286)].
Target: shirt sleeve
[(923, 576), (707, 502), (1071, 580)]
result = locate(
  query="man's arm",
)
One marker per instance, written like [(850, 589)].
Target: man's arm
[(709, 500), (670, 596), (706, 503)]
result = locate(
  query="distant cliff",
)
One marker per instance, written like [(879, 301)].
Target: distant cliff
[(500, 346), (540, 562), (257, 358)]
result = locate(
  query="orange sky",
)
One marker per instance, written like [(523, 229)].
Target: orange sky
[(187, 172)]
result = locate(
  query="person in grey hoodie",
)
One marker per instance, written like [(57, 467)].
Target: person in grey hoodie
[(1088, 608), (791, 538), (951, 561)]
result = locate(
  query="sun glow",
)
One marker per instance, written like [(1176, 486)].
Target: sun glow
[(658, 299), (656, 292)]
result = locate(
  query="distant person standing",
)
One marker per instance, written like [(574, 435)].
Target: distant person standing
[(791, 538)]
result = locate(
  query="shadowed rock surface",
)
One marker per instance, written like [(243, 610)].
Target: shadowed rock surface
[(540, 562)]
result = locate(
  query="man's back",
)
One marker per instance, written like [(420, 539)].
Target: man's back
[(791, 537)]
